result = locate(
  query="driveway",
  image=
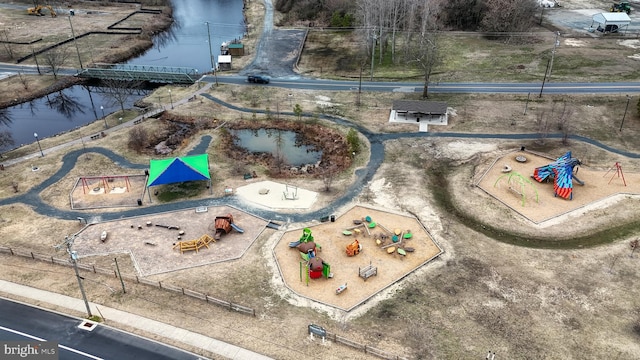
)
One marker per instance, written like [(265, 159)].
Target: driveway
[(278, 50)]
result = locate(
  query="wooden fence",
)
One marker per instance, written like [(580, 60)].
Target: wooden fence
[(191, 293), (366, 348), (112, 272)]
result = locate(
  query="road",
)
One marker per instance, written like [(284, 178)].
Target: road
[(19, 322), (380, 86), (506, 88)]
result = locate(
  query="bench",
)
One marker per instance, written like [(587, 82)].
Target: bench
[(367, 272)]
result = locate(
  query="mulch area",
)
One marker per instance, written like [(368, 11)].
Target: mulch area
[(108, 191), (540, 204), (152, 247), (329, 235)]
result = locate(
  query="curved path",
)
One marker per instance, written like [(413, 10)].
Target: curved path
[(363, 175)]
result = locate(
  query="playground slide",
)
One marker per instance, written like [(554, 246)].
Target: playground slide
[(578, 180), (237, 228), (294, 244)]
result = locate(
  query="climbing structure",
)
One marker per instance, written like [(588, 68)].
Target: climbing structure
[(311, 266), (617, 170), (562, 173), (194, 245), (519, 185)]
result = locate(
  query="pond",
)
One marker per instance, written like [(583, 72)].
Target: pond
[(291, 146)]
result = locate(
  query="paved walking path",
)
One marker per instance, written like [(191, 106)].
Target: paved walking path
[(112, 315)]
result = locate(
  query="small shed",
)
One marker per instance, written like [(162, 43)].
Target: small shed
[(236, 49), (224, 62), (610, 22), (421, 112)]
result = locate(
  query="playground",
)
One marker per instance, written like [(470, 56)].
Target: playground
[(107, 191), (354, 277), (172, 241), (509, 180)]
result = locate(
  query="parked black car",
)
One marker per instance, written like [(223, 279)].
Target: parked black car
[(260, 79)]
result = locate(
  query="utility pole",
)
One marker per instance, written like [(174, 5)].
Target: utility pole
[(360, 86), (625, 112), (556, 42), (546, 71), (75, 42), (373, 51), (68, 242), (213, 67)]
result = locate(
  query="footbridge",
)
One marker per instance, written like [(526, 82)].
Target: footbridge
[(155, 74)]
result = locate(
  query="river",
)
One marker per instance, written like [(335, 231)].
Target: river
[(185, 44)]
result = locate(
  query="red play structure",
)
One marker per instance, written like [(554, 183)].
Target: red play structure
[(224, 225)]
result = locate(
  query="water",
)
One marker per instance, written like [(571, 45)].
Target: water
[(184, 45), (264, 141), (56, 113), (187, 42)]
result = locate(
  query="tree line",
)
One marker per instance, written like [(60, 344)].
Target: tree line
[(407, 31)]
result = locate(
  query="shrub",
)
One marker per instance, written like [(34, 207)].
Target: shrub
[(354, 141)]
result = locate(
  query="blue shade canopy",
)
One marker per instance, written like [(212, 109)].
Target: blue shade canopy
[(181, 169)]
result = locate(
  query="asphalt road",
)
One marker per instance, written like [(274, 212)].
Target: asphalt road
[(485, 87), (19, 322)]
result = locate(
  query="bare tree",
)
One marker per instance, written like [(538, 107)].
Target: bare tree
[(543, 126), (279, 156), (461, 14), (328, 175), (120, 91), (55, 59), (138, 138), (564, 124), (426, 56), (7, 44), (24, 80), (508, 15)]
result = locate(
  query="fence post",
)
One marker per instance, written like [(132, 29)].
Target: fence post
[(52, 259), (160, 284), (137, 279), (33, 257), (182, 291), (94, 268)]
